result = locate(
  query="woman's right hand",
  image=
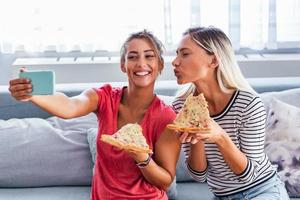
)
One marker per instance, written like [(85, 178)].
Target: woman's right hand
[(20, 89), (215, 135), (186, 137)]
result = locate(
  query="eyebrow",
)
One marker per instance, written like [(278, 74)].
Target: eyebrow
[(135, 52)]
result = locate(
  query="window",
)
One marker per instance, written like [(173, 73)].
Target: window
[(85, 25), (254, 24), (91, 25), (288, 23)]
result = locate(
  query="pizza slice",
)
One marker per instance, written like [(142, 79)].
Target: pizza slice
[(193, 116), (128, 137)]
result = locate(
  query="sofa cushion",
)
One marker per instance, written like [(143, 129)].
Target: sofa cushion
[(91, 138), (291, 96), (35, 153), (79, 123), (283, 143), (46, 193)]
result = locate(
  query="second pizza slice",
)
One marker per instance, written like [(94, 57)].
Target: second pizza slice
[(193, 116)]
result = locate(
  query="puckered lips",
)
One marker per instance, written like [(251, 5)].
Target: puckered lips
[(177, 73)]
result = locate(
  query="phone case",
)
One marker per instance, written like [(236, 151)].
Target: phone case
[(42, 81)]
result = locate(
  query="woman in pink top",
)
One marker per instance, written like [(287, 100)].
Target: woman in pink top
[(121, 174)]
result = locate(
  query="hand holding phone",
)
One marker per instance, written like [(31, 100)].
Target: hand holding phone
[(42, 81)]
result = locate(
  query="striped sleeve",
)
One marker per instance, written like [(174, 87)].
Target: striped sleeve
[(177, 104), (252, 139)]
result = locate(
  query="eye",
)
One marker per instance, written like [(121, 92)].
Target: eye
[(150, 56), (184, 54), (272, 113), (131, 57)]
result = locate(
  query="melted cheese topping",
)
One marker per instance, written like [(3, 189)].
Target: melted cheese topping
[(194, 113), (131, 134)]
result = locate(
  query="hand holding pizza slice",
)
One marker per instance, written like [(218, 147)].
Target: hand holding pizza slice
[(193, 117), (129, 137)]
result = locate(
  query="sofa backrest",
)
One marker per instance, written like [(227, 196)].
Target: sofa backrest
[(10, 108)]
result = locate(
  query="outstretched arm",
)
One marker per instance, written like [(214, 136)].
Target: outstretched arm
[(58, 104)]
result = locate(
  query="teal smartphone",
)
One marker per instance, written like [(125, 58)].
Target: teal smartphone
[(42, 81)]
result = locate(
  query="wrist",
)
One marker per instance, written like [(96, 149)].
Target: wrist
[(198, 144), (221, 139), (144, 163)]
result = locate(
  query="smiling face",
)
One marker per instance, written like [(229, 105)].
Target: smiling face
[(192, 62), (141, 63)]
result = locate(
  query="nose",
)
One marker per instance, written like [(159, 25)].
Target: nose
[(141, 62), (175, 62)]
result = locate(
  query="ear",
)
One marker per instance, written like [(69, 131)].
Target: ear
[(214, 62), (160, 67), (123, 68)]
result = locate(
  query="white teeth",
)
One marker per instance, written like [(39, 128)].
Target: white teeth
[(142, 73)]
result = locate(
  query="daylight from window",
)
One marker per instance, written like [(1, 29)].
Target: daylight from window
[(90, 25)]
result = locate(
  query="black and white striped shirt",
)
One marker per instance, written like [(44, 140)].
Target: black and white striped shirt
[(244, 121)]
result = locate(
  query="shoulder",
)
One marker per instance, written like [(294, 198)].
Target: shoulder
[(162, 111), (252, 104), (161, 106), (108, 90), (247, 99), (107, 96), (160, 115), (178, 103)]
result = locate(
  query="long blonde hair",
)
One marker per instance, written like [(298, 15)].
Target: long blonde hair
[(215, 42)]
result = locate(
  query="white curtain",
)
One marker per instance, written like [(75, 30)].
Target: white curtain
[(67, 25), (90, 25), (254, 24)]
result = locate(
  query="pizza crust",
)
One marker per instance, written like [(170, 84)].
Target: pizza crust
[(188, 129), (121, 145)]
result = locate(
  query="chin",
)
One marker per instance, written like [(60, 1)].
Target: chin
[(143, 84), (181, 82)]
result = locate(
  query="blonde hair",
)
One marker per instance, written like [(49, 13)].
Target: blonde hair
[(215, 42)]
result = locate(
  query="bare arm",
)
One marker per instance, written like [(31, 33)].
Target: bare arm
[(161, 170), (58, 104), (68, 107), (197, 159)]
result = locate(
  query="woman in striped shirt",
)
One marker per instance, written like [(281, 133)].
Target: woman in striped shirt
[(231, 158)]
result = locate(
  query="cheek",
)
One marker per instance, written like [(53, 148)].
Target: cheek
[(194, 69), (157, 68)]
